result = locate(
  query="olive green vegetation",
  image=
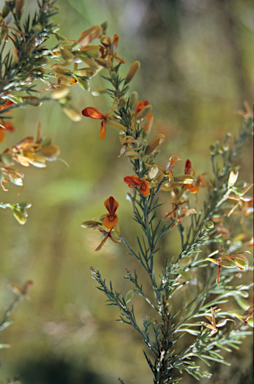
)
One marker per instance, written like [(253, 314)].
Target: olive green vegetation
[(196, 71)]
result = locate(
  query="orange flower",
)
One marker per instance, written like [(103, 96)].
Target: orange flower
[(111, 219), (135, 181), (7, 127), (140, 106), (94, 113), (6, 104)]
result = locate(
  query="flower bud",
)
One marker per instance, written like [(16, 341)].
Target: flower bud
[(133, 155), (133, 99), (209, 225), (143, 113), (153, 172), (113, 75), (233, 177), (122, 102), (132, 71), (6, 158), (106, 41), (147, 126), (153, 144), (5, 11), (19, 8)]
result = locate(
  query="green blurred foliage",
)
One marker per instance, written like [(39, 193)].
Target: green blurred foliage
[(196, 70)]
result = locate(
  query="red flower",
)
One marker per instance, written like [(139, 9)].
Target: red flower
[(111, 219), (135, 181), (140, 106)]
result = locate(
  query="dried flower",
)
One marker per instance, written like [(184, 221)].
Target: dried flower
[(34, 151), (230, 261), (213, 326)]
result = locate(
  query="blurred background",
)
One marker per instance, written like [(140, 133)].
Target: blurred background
[(196, 70)]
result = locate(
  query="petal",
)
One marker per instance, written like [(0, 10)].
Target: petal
[(187, 169), (110, 221), (111, 204), (192, 188), (144, 189), (133, 181), (2, 135), (94, 113), (102, 131)]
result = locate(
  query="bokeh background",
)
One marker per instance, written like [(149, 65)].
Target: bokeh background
[(196, 70)]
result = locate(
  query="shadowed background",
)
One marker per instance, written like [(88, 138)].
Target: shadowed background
[(196, 71)]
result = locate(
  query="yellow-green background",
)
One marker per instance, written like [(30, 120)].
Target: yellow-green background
[(196, 70)]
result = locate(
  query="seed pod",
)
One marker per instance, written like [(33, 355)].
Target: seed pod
[(143, 113), (83, 83), (66, 55), (60, 92), (133, 99), (34, 101), (90, 224), (132, 71), (90, 63), (72, 113), (101, 62), (153, 144), (85, 72)]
